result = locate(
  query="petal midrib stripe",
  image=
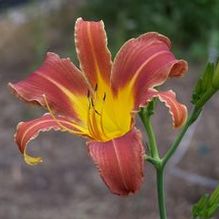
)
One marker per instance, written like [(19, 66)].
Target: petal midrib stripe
[(119, 164), (66, 91), (92, 47), (138, 71), (36, 124)]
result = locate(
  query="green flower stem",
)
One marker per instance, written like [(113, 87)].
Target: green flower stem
[(192, 118), (151, 136), (156, 161), (153, 161), (154, 157), (161, 193)]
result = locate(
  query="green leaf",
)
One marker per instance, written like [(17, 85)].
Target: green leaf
[(216, 77), (197, 209), (207, 206), (204, 83)]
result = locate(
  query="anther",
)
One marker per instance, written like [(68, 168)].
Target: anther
[(104, 96), (92, 102), (96, 86), (97, 112), (88, 93)]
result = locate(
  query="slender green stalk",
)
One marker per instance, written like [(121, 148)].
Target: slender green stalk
[(154, 157), (190, 120), (151, 136), (155, 160), (161, 193)]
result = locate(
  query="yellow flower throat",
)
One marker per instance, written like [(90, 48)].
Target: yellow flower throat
[(103, 116)]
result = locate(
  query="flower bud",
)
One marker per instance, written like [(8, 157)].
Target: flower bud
[(215, 81)]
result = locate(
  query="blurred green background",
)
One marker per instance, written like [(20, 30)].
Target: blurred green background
[(67, 185), (190, 24)]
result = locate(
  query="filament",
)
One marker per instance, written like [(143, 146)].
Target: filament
[(58, 122), (95, 127), (90, 121)]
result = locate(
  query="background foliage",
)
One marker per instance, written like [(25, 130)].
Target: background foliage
[(191, 24)]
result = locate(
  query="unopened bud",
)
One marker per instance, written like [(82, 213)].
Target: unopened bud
[(215, 81)]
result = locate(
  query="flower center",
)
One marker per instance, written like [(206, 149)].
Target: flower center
[(103, 116)]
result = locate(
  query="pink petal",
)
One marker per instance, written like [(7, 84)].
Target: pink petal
[(56, 79), (27, 131), (145, 62), (120, 162), (91, 47), (177, 110)]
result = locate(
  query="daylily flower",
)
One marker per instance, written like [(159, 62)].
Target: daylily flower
[(100, 100)]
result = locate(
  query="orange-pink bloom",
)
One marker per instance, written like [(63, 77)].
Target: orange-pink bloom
[(100, 100)]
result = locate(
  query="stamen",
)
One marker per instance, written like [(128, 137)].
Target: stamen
[(96, 86), (92, 102), (101, 115), (89, 122), (88, 93), (97, 112), (95, 124), (104, 96), (58, 122)]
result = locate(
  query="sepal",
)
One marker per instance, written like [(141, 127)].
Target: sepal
[(150, 107), (148, 110)]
